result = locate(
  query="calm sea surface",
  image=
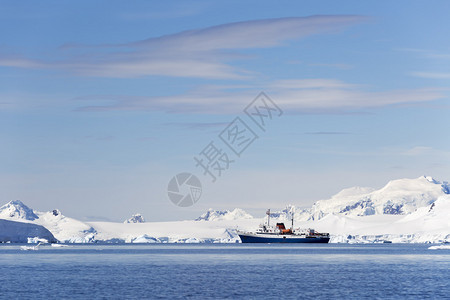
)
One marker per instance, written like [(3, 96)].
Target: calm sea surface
[(375, 271)]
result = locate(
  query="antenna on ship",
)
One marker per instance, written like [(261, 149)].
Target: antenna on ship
[(268, 217), (292, 217), (292, 226)]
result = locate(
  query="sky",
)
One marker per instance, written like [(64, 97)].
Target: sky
[(103, 103)]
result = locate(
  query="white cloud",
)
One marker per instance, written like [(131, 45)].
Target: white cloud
[(293, 96), (251, 34), (335, 65), (20, 63), (315, 83), (427, 53), (329, 98), (203, 53), (434, 153), (434, 56), (432, 75), (418, 150)]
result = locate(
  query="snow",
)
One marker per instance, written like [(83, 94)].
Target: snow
[(64, 229), (136, 218), (17, 210), (35, 240), (60, 246), (171, 232), (20, 232), (217, 215), (145, 239), (285, 215), (427, 224), (398, 197), (33, 248), (447, 247), (403, 211)]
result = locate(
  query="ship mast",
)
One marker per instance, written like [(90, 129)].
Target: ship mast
[(268, 217), (292, 218), (292, 226)]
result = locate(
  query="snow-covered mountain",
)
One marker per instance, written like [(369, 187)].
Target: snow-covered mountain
[(15, 210), (284, 215), (427, 224), (136, 218), (405, 210), (221, 215), (398, 197), (63, 228)]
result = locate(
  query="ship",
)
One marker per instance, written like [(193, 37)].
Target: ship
[(280, 234)]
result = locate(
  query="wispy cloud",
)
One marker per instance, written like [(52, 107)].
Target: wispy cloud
[(99, 138), (198, 125), (327, 97), (419, 150), (340, 66), (20, 62), (203, 53), (295, 96), (442, 58), (432, 75), (313, 83), (327, 133), (427, 53)]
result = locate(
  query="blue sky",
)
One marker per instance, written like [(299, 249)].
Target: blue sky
[(102, 103)]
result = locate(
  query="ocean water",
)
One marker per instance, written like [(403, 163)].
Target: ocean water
[(218, 271)]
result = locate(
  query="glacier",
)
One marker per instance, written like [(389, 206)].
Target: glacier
[(403, 211), (398, 197), (64, 229), (19, 232)]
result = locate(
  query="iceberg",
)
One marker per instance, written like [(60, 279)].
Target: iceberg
[(19, 232), (446, 247)]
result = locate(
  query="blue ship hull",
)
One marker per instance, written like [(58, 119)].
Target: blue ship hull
[(277, 239)]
